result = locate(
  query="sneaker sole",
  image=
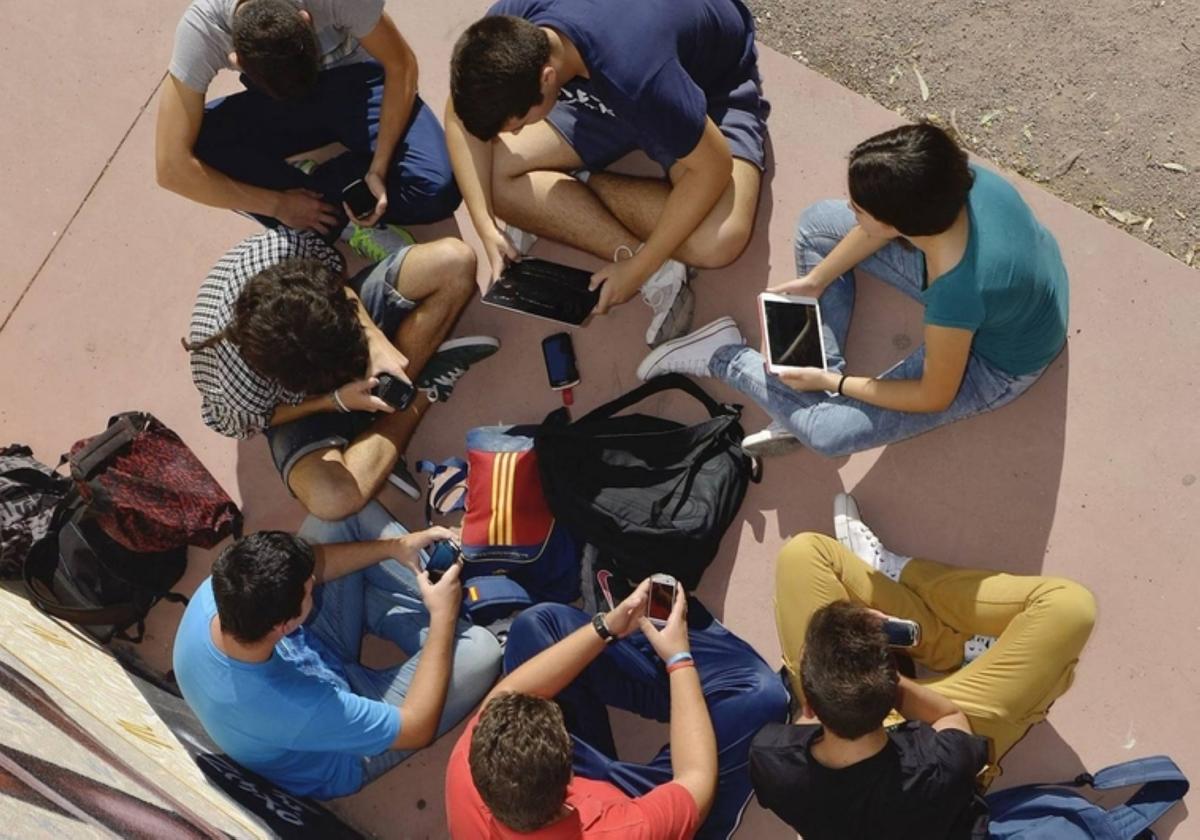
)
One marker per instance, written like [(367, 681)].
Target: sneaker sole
[(679, 318), (699, 335), (404, 487), (844, 509), (769, 447), (469, 341)]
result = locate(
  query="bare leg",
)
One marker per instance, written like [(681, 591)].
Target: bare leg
[(638, 203), (333, 484), (532, 191)]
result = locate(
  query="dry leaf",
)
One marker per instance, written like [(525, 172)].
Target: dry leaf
[(1065, 167), (1146, 225), (954, 123), (1190, 256), (1028, 134), (921, 82), (1174, 167), (1182, 216), (1123, 216), (990, 115)]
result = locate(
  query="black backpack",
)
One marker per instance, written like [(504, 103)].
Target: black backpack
[(651, 494), (29, 492), (78, 573)]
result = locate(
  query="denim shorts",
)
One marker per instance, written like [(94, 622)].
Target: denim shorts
[(600, 140), (375, 285)]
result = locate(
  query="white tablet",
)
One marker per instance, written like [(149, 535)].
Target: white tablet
[(791, 328)]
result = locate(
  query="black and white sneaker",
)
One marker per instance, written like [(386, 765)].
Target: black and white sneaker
[(450, 361), (403, 480)]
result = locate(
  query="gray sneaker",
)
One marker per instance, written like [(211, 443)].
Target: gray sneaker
[(450, 362), (403, 480), (670, 298)]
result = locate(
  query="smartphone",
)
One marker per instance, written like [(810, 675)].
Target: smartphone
[(560, 361), (792, 332), (442, 555), (394, 391), (359, 198), (902, 633), (661, 600)]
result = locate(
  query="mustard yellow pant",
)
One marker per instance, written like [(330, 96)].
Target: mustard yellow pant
[(1041, 623)]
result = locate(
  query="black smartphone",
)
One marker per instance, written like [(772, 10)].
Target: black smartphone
[(394, 391), (559, 354), (662, 599), (902, 633), (359, 198), (442, 555)]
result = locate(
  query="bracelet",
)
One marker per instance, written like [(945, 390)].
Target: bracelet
[(602, 630), (686, 663), (679, 657), (337, 401), (842, 382)]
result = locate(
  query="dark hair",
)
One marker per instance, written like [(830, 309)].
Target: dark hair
[(276, 48), (521, 760), (914, 178), (847, 672), (294, 323), (258, 582), (496, 72)]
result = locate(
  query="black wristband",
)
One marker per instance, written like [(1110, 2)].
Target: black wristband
[(842, 382), (602, 629)]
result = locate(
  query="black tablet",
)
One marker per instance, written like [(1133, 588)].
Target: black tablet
[(545, 289)]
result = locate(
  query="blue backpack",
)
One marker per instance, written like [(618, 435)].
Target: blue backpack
[(1056, 812)]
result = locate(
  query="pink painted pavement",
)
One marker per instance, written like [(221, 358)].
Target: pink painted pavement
[(1091, 475)]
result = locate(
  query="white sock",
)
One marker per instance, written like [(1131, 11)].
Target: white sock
[(976, 646)]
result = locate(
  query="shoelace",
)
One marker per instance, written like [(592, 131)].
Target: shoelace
[(443, 381)]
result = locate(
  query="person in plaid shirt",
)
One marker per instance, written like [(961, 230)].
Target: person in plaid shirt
[(282, 343)]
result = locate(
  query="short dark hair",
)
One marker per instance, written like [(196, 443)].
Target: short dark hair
[(276, 48), (847, 672), (294, 323), (496, 72), (914, 178), (521, 760), (258, 582)]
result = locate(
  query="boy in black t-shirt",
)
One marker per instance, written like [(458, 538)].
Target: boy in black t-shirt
[(880, 756)]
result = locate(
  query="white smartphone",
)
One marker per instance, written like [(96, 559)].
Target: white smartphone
[(661, 600), (792, 332)]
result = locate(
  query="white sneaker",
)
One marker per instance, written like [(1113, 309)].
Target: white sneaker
[(976, 646), (522, 240), (691, 353), (669, 297), (853, 533), (773, 440)]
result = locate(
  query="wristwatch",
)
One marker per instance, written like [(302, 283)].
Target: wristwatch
[(602, 629)]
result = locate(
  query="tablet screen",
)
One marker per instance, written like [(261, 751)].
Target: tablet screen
[(793, 334)]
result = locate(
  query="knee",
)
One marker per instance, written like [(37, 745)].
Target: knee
[(822, 224), (477, 658), (800, 552), (536, 629), (709, 251), (1074, 609), (331, 495), (455, 263)]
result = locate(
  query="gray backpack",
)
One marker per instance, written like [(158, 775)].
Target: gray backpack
[(29, 493)]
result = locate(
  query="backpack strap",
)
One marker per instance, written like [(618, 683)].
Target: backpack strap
[(445, 479), (101, 449), (670, 382), (1162, 786)]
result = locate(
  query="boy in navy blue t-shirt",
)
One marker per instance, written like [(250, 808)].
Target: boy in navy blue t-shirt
[(547, 93)]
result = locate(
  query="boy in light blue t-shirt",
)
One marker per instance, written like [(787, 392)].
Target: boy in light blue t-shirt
[(267, 652)]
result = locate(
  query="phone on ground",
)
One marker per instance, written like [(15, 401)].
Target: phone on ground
[(359, 198), (559, 354), (663, 591), (902, 633)]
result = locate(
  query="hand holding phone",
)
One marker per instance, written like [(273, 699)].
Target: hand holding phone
[(661, 599), (901, 633), (394, 391), (359, 198), (442, 555)]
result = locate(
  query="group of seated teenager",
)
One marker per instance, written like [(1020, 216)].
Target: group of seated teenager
[(545, 95)]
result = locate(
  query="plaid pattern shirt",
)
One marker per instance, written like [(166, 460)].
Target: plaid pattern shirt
[(235, 400)]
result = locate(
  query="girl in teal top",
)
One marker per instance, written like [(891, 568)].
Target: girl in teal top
[(952, 235)]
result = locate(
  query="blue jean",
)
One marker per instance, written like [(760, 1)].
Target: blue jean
[(741, 690), (248, 135), (836, 426), (384, 600)]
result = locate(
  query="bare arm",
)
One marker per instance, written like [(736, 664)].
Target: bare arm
[(471, 160), (335, 560), (180, 114), (947, 352), (387, 46), (422, 706), (916, 702)]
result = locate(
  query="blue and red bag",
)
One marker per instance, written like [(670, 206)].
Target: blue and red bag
[(508, 529)]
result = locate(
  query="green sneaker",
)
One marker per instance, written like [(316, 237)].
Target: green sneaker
[(450, 361), (377, 243)]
